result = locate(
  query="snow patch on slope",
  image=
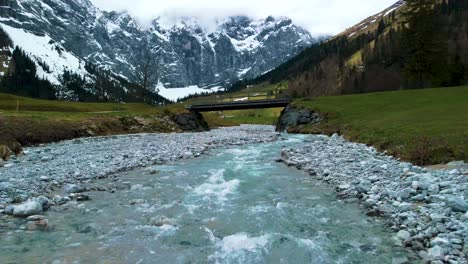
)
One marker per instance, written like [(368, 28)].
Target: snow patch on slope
[(44, 49), (175, 94)]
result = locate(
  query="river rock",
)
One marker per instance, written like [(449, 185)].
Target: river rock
[(59, 200), (162, 220), (434, 189), (403, 235), (41, 225), (2, 163), (364, 186), (463, 218), (152, 171), (436, 253), (43, 201), (9, 210), (44, 178), (27, 209), (137, 201), (73, 188), (457, 204), (404, 207), (440, 242), (344, 187), (82, 197), (35, 217), (5, 153), (404, 194), (436, 218)]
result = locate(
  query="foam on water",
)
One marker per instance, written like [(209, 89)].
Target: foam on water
[(240, 248), (242, 241), (217, 188)]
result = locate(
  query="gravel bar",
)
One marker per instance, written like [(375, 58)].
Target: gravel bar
[(427, 209)]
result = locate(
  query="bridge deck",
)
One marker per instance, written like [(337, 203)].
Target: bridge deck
[(241, 105)]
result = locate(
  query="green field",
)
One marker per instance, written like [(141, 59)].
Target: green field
[(237, 117), (427, 126), (11, 105)]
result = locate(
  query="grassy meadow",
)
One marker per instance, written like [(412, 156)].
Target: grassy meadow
[(426, 126), (30, 121)]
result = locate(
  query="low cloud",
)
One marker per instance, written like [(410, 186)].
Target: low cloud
[(317, 16)]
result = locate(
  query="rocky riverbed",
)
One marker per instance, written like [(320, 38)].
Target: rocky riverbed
[(427, 209), (71, 166)]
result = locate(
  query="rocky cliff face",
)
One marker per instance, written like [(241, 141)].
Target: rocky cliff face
[(186, 53)]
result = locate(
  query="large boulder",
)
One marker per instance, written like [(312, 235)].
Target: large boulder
[(191, 121), (293, 116)]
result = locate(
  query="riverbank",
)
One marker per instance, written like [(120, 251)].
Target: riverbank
[(26, 122), (425, 127), (427, 208), (46, 169)]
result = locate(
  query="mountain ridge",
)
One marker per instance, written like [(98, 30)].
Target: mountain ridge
[(187, 55)]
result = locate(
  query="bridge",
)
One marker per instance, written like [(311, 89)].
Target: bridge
[(239, 101)]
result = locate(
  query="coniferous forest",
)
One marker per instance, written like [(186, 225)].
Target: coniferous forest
[(425, 44), (21, 78)]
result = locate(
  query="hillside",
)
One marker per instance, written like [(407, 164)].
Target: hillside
[(399, 48)]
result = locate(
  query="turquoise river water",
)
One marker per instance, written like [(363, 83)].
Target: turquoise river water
[(235, 205)]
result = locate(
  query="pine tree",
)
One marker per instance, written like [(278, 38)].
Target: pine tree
[(424, 47), (381, 27)]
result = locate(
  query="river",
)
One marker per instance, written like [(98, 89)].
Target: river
[(234, 205)]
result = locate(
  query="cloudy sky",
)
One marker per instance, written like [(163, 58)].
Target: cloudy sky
[(318, 16)]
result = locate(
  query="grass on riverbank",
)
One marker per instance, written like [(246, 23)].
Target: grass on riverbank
[(427, 126), (232, 118), (30, 121)]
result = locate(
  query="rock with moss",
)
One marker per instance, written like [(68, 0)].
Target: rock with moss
[(5, 152), (293, 116), (191, 121)]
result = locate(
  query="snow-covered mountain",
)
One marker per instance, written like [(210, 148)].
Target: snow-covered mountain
[(65, 34)]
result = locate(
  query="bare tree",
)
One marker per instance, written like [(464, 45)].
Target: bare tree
[(146, 65)]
